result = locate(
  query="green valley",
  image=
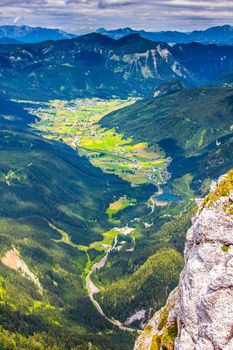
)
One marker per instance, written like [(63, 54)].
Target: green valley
[(133, 219), (53, 210), (116, 202), (107, 149), (76, 123), (59, 202)]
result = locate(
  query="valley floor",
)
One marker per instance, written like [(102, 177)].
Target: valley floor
[(77, 124)]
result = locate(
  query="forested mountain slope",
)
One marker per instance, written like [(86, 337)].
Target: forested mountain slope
[(95, 65), (193, 126), (51, 202)]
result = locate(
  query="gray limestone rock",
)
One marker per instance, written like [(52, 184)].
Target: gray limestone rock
[(202, 305)]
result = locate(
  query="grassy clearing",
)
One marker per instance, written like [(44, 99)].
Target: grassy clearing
[(117, 206), (86, 270), (107, 242), (103, 245)]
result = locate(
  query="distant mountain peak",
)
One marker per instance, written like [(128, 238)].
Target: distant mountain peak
[(133, 38), (221, 35), (128, 29), (29, 34), (101, 30), (95, 38)]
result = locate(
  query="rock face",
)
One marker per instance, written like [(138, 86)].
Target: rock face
[(200, 310)]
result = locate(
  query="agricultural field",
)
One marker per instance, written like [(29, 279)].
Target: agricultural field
[(76, 123)]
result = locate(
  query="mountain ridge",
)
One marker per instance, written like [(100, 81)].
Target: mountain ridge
[(29, 34), (94, 65), (221, 35)]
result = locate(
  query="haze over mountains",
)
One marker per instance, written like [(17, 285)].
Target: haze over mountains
[(220, 35), (27, 34)]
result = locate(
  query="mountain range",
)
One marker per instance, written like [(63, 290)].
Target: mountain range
[(220, 35), (26, 34), (95, 65)]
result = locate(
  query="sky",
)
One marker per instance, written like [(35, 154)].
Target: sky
[(83, 16)]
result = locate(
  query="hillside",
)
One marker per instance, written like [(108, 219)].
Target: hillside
[(53, 201), (226, 79), (193, 126), (207, 108), (9, 41), (95, 65)]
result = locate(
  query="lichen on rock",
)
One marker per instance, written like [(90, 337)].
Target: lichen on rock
[(162, 328)]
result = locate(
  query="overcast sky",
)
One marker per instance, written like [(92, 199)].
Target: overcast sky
[(81, 16)]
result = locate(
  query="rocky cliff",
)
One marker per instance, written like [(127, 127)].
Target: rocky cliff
[(198, 314)]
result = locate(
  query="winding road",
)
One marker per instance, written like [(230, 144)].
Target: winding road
[(93, 289)]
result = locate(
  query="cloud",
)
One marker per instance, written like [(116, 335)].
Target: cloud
[(56, 3), (17, 19), (79, 16), (103, 4)]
